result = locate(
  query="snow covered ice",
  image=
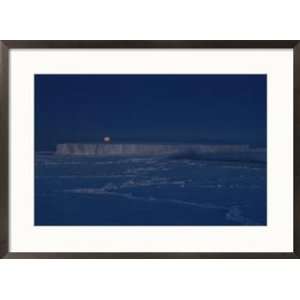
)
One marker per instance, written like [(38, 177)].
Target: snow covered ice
[(151, 185)]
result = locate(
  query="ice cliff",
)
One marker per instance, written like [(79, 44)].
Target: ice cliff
[(145, 149)]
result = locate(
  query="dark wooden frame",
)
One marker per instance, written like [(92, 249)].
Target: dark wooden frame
[(5, 46)]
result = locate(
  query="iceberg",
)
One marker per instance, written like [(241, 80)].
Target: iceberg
[(144, 149)]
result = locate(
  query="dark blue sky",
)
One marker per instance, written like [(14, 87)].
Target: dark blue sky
[(150, 108)]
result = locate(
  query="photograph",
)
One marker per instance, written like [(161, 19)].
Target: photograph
[(150, 150)]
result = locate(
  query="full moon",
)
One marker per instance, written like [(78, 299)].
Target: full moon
[(107, 139)]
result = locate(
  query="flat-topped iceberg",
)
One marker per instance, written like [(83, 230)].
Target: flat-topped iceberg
[(144, 149)]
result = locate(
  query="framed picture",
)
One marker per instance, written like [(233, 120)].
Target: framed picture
[(149, 149)]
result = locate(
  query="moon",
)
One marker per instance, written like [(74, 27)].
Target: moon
[(107, 139)]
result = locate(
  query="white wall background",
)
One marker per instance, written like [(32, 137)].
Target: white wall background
[(148, 279)]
